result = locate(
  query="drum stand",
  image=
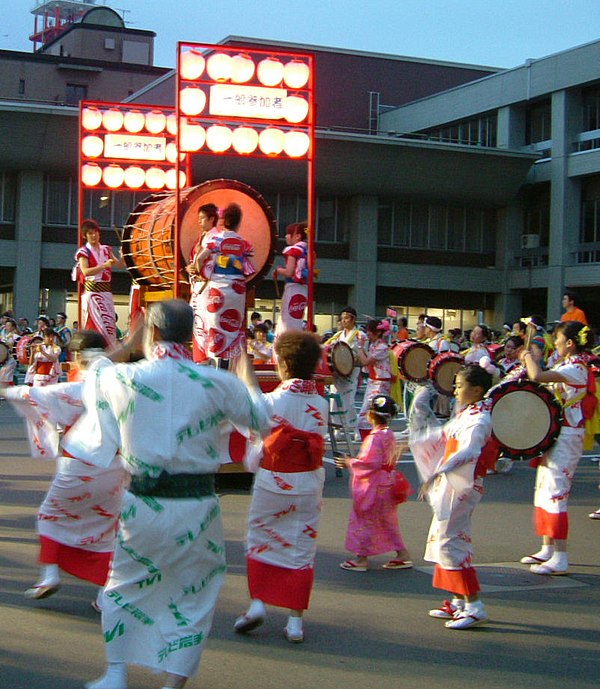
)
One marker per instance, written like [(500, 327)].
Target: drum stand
[(336, 422)]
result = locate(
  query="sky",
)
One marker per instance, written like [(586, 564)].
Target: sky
[(495, 33)]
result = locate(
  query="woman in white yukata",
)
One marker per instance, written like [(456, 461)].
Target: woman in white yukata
[(286, 502), (377, 362), (556, 467), (452, 461)]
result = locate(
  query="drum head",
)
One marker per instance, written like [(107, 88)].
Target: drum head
[(525, 418), (442, 372), (150, 259), (413, 360), (341, 359), (4, 352)]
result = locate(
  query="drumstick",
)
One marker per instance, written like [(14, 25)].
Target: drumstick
[(276, 298), (118, 232)]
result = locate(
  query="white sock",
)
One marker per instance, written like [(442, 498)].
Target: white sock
[(558, 560), (115, 677), (474, 607), (49, 574), (294, 624), (545, 552), (256, 609), (458, 603)]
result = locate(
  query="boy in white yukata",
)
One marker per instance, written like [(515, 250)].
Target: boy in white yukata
[(167, 415)]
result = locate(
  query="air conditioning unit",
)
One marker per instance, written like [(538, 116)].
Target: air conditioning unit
[(530, 241)]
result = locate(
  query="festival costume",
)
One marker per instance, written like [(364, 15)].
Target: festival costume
[(454, 455), (379, 381), (286, 502), (556, 467), (168, 416), (220, 304), (97, 305), (475, 353), (43, 371), (77, 521), (295, 292), (346, 387), (373, 524), (8, 370)]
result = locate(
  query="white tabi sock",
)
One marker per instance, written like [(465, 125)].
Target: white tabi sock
[(256, 609), (545, 552), (115, 677), (49, 575), (458, 603), (558, 561), (294, 625)]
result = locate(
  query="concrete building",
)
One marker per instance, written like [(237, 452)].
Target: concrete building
[(439, 185)]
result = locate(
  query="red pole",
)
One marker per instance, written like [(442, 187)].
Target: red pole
[(310, 198)]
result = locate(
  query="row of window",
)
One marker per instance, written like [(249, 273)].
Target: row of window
[(479, 131)]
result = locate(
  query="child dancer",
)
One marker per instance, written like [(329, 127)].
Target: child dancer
[(452, 461), (373, 525)]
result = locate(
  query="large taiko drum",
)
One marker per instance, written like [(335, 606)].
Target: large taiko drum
[(337, 359), (147, 244), (526, 418), (4, 352), (413, 359), (22, 349), (442, 370)]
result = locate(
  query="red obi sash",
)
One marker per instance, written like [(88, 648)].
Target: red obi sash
[(44, 368), (291, 450)]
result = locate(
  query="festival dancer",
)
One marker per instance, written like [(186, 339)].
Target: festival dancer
[(44, 367), (346, 387), (373, 525), (77, 521), (377, 361), (295, 272), (452, 461), (556, 468), (221, 305), (208, 217), (95, 262), (286, 503), (167, 416)]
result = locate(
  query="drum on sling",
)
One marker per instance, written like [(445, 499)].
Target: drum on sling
[(442, 370), (496, 351), (4, 352), (22, 349), (337, 358), (148, 248), (526, 418), (413, 359)]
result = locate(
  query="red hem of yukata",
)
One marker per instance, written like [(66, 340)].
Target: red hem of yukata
[(461, 581), (551, 524), (83, 564), (280, 586)]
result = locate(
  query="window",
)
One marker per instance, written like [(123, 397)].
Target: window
[(332, 215), (8, 196), (75, 93), (538, 123), (21, 87), (478, 131)]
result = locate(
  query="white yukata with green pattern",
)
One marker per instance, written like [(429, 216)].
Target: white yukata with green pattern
[(166, 414)]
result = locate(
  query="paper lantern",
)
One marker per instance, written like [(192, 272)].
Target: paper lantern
[(135, 177), (271, 141), (295, 109), (91, 118), (172, 124), (295, 74), (192, 137), (296, 144), (192, 100), (270, 71), (242, 68), (171, 176), (171, 152), (219, 67), (92, 146), (218, 138), (155, 178), (155, 122), (112, 120), (191, 65), (133, 121), (244, 140), (113, 176), (91, 174)]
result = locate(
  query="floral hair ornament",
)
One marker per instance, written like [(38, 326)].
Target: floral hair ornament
[(384, 405), (582, 336), (383, 325)]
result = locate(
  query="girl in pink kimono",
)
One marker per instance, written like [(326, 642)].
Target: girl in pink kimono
[(373, 526)]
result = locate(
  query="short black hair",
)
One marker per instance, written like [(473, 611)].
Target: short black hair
[(476, 376)]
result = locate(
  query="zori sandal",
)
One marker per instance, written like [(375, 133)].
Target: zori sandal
[(353, 566)]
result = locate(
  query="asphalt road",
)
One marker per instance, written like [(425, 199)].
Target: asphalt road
[(362, 630)]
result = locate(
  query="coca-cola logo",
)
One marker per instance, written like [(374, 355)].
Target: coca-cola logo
[(231, 245), (238, 286), (214, 300), (297, 306), (216, 341), (230, 320)]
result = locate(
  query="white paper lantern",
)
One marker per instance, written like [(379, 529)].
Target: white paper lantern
[(172, 124), (92, 146), (191, 65), (91, 118), (192, 100), (295, 74), (218, 67), (156, 122), (218, 138), (271, 141), (133, 121), (135, 176), (270, 71), (295, 109), (91, 174), (171, 152), (244, 140), (155, 178), (171, 176), (296, 144), (242, 68), (192, 137), (112, 120), (113, 176)]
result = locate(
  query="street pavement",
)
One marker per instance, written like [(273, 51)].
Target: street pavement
[(362, 630)]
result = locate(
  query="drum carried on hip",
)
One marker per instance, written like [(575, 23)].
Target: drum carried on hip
[(147, 244), (22, 349), (413, 359), (337, 359), (526, 418), (442, 370)]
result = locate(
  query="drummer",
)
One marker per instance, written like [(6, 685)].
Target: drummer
[(377, 362), (346, 387), (8, 364), (479, 336), (556, 468)]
